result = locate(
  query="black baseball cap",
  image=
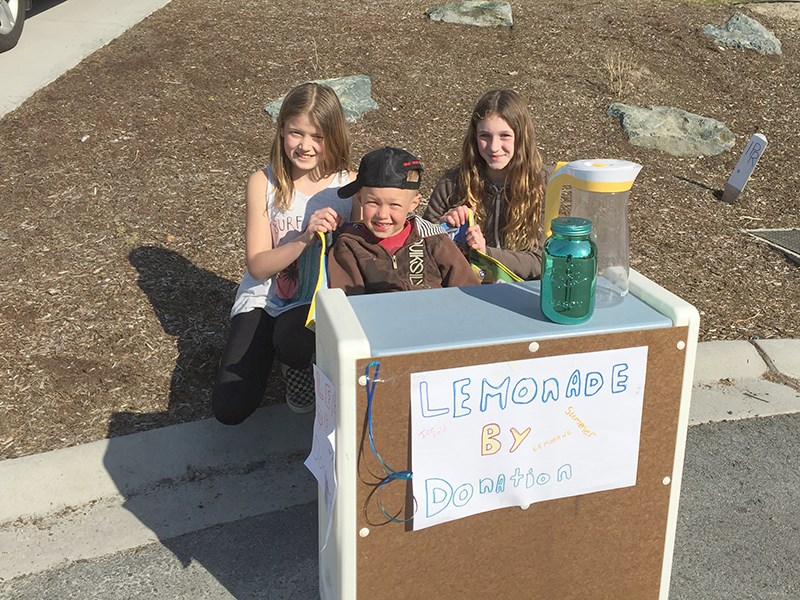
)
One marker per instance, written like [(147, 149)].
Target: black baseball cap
[(384, 168)]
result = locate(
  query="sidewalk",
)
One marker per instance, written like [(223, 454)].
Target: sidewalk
[(93, 500), (57, 36), (739, 380)]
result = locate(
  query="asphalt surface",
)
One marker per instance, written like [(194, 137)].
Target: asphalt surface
[(202, 511), (737, 536)]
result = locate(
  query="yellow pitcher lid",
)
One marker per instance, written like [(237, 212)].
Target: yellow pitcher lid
[(601, 170)]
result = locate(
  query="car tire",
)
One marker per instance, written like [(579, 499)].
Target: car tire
[(12, 18)]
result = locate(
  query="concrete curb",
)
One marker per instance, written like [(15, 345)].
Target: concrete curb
[(123, 467), (742, 380), (730, 382), (782, 356), (96, 499), (727, 360)]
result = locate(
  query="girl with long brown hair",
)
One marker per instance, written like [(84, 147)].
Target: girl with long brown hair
[(501, 179)]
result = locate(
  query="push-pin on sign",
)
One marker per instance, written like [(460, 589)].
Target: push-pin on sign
[(744, 168)]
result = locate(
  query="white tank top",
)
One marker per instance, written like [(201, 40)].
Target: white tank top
[(294, 286)]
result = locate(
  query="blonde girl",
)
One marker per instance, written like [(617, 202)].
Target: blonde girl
[(288, 202), (501, 179)]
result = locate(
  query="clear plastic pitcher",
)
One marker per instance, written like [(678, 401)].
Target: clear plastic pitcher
[(600, 192), (609, 215)]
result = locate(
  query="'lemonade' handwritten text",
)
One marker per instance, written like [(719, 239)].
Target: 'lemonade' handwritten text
[(469, 396)]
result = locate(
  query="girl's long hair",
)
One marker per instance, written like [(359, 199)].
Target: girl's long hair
[(524, 190), (322, 106)]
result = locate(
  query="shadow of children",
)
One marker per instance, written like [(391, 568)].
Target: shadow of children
[(193, 305), (207, 492)]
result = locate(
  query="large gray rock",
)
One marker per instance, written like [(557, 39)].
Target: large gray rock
[(354, 91), (672, 130), (473, 12), (745, 33)]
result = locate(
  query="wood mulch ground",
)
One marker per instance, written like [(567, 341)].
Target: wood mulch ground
[(122, 182)]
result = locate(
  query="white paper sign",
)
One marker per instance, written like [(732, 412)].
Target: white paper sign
[(322, 460), (509, 434)]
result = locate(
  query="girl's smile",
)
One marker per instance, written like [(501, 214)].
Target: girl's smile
[(303, 143), (495, 144)]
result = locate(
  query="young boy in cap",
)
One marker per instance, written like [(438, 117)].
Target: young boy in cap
[(392, 250)]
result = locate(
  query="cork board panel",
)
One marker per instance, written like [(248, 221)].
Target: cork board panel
[(603, 545)]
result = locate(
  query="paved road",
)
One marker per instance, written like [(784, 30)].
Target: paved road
[(738, 536)]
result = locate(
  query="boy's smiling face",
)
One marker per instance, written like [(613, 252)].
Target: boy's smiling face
[(385, 209)]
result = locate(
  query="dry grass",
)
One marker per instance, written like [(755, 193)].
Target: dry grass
[(619, 76)]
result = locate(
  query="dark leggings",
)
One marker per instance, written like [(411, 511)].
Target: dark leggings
[(255, 340)]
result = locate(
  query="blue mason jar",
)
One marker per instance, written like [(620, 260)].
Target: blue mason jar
[(569, 271)]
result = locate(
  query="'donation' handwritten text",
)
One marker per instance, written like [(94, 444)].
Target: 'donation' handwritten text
[(441, 494)]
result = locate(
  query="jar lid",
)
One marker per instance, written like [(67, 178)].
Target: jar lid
[(571, 226)]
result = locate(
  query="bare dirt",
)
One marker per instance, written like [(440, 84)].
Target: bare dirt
[(122, 182)]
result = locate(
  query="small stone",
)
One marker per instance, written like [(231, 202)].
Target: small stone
[(481, 13), (672, 130), (354, 92), (745, 33)]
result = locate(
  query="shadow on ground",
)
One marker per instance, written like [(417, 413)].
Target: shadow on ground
[(193, 305)]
